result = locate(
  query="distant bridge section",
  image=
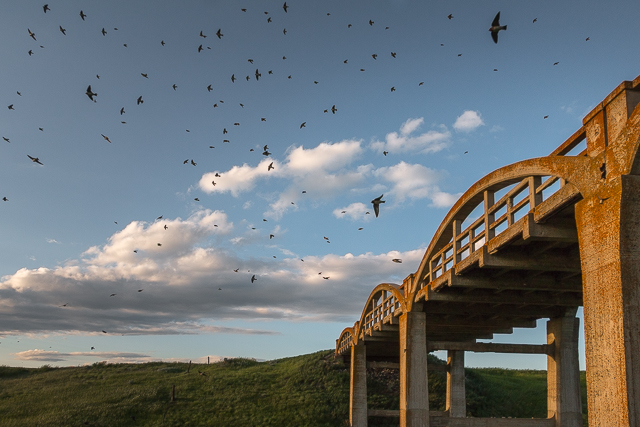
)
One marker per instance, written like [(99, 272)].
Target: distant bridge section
[(532, 240)]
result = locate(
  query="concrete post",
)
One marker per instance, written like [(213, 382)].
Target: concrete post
[(609, 236), (456, 394), (358, 387), (564, 402), (414, 384)]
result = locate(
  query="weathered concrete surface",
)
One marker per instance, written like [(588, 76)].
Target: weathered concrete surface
[(358, 387), (414, 383), (564, 402), (456, 401), (609, 233)]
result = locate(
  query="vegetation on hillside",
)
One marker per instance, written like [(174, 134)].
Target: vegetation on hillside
[(308, 390)]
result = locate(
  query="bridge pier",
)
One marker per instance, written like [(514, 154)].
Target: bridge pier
[(414, 383), (564, 403), (456, 403), (358, 386), (609, 235)]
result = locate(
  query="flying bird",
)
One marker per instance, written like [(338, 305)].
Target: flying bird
[(393, 54), (534, 20), (233, 78), (376, 204), (174, 86), (209, 88), (270, 167), (496, 27), (82, 15), (6, 139), (139, 100), (46, 7), (219, 33), (35, 160), (122, 111), (32, 34), (397, 260), (202, 35), (370, 22), (450, 16), (10, 107), (91, 94), (253, 278), (113, 295), (4, 199), (258, 75), (304, 124), (334, 109), (63, 31), (285, 7), (284, 31), (162, 42), (104, 32), (145, 75), (106, 138), (374, 56), (199, 48)]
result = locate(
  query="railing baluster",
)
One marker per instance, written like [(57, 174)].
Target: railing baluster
[(535, 198), (489, 232)]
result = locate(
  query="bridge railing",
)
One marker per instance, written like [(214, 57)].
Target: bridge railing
[(381, 309), (498, 216)]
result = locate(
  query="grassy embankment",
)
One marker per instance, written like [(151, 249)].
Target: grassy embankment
[(308, 390)]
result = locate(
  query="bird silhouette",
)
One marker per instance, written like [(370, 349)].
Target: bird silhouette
[(304, 124), (145, 75), (82, 15), (450, 16), (162, 42), (91, 94), (219, 33), (397, 260), (202, 35), (46, 7), (209, 88), (31, 34), (270, 167), (174, 86), (496, 27), (233, 78), (63, 31), (199, 48), (376, 204), (6, 139), (285, 7), (10, 107), (106, 138), (104, 32), (139, 100), (253, 278), (35, 160)]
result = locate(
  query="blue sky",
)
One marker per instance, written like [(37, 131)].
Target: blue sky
[(70, 226)]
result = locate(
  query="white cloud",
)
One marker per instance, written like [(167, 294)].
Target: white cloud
[(355, 211), (428, 142), (468, 121), (186, 292)]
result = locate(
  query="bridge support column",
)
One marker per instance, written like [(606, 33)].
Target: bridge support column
[(564, 402), (456, 403), (414, 384), (358, 387), (609, 236)]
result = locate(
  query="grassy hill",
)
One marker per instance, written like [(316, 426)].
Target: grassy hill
[(308, 390)]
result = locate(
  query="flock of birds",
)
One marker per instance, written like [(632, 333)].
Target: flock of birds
[(93, 96)]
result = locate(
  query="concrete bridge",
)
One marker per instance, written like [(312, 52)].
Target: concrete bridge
[(532, 240)]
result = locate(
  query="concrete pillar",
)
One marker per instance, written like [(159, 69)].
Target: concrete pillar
[(609, 236), (456, 393), (564, 402), (358, 387), (414, 384)]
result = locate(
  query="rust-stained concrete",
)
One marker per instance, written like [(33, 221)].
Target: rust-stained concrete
[(488, 279)]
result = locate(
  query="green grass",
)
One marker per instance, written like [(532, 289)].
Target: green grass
[(308, 390)]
